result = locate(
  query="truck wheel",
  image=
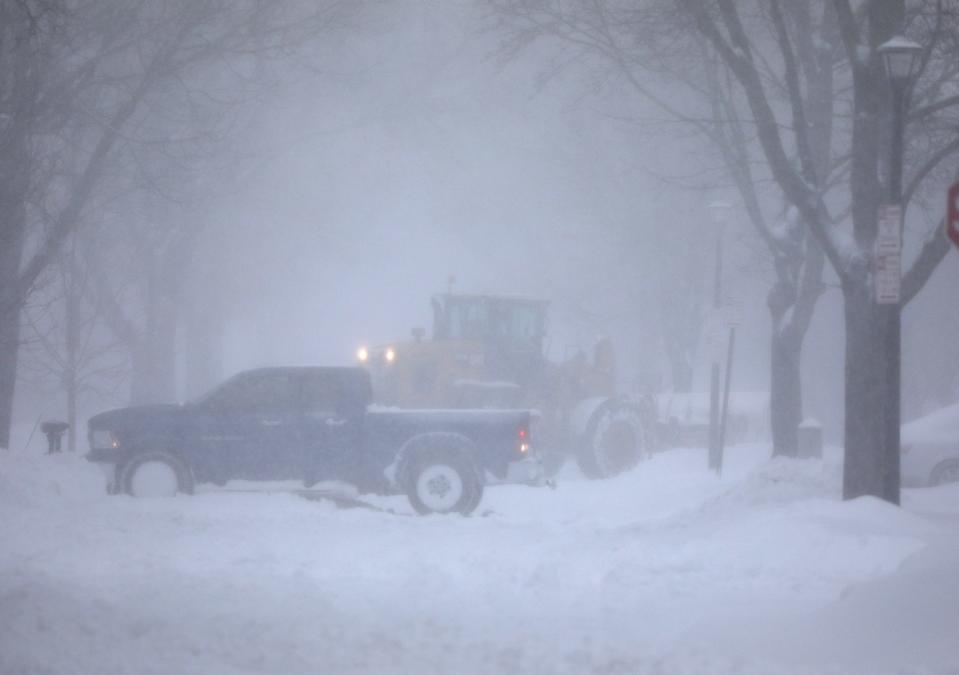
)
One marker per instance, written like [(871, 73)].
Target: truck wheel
[(156, 474), (443, 482), (615, 440)]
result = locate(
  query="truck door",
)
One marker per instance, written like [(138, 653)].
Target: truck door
[(252, 427), (331, 427)]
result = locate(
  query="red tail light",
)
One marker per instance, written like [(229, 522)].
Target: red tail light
[(523, 438)]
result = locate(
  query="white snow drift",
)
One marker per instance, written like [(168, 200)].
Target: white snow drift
[(665, 570)]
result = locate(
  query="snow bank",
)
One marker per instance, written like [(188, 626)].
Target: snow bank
[(782, 480), (35, 480), (666, 569)]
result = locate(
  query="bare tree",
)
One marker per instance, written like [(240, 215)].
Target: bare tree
[(66, 348), (783, 81), (648, 48), (872, 388), (77, 79)]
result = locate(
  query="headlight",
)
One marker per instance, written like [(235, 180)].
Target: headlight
[(362, 355), (101, 439), (390, 355)]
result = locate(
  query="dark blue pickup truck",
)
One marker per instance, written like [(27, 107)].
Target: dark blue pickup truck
[(314, 424)]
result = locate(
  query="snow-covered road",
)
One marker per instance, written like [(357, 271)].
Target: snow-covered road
[(664, 570)]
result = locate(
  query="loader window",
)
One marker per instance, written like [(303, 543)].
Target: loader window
[(526, 324), (467, 321), (497, 319)]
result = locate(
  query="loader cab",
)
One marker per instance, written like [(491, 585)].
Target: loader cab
[(485, 352), (514, 324), (505, 335)]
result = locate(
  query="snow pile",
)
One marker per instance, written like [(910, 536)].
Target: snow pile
[(782, 480), (667, 569), (35, 480), (776, 531)]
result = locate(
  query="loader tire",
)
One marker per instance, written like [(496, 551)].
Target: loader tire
[(615, 440)]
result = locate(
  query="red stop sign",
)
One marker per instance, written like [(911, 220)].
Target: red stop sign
[(952, 214)]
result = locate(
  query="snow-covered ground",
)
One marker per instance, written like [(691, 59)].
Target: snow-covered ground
[(665, 570)]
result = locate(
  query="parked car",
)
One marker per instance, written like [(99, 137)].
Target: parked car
[(930, 449), (314, 424)]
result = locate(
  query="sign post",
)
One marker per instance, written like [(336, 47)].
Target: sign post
[(952, 214), (733, 314)]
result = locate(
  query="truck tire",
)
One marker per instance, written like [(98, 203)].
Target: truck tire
[(443, 481), (615, 439), (156, 474)]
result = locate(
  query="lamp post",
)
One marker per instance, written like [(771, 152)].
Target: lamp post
[(901, 59), (719, 211)]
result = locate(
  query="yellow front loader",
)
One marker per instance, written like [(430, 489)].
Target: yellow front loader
[(487, 351)]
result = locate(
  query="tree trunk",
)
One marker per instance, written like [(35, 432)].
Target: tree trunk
[(9, 345), (866, 471), (790, 312), (785, 392), (72, 338), (12, 223)]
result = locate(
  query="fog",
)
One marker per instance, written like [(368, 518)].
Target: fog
[(339, 180), (414, 153), (449, 167), (423, 158)]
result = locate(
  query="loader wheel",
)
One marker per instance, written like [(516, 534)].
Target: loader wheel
[(615, 440)]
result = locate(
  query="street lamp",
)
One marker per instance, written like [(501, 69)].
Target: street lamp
[(901, 59), (719, 210), (900, 56)]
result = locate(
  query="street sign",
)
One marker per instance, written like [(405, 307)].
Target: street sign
[(888, 278), (952, 214), (887, 267), (888, 238)]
